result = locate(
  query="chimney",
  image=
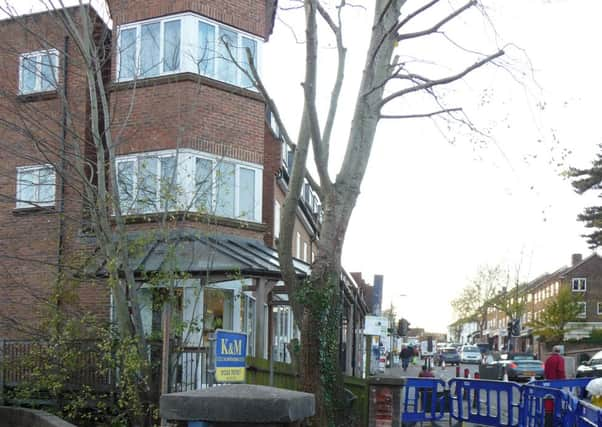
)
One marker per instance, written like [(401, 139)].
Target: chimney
[(576, 259)]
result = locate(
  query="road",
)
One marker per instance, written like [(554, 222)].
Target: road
[(444, 373)]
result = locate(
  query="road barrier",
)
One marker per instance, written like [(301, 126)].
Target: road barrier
[(554, 406), (424, 399), (471, 402), (575, 386), (498, 403), (587, 415)]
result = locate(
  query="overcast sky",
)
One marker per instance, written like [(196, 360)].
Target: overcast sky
[(432, 212)]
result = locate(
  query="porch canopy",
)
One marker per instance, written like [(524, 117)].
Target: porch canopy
[(196, 253)]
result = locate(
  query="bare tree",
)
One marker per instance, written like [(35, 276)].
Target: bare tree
[(386, 80)]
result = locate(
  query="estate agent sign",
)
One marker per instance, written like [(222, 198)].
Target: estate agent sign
[(230, 353)]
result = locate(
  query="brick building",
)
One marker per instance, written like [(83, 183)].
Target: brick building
[(583, 277), (199, 172)]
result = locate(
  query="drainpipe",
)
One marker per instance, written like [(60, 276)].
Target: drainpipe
[(63, 163)]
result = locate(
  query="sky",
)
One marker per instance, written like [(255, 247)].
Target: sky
[(437, 205)]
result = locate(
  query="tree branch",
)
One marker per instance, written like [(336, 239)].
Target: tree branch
[(446, 80), (439, 24), (420, 115)]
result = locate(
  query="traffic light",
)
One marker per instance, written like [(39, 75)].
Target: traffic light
[(516, 328), (402, 327)]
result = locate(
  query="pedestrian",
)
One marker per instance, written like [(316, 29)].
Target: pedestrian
[(554, 366), (406, 355), (426, 372)]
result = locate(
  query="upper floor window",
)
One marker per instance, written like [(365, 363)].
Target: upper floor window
[(599, 308), (185, 43), (189, 182), (150, 49), (35, 186), (579, 284), (38, 71), (220, 48)]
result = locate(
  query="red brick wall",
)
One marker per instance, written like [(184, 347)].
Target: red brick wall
[(29, 238), (167, 116), (248, 15)]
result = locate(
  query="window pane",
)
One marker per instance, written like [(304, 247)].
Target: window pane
[(225, 189), (206, 54), (127, 58), (125, 181), (169, 188), (149, 49), (252, 46), (28, 74), (226, 67), (246, 203), (202, 184), (47, 72), (26, 186), (46, 185), (171, 46), (146, 197)]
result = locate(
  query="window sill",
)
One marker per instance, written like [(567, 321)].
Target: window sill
[(37, 96), (184, 76), (34, 210), (195, 217)]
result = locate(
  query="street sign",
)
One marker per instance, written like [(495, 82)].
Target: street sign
[(376, 325), (230, 353)]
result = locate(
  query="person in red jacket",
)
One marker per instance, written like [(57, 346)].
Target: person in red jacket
[(554, 366)]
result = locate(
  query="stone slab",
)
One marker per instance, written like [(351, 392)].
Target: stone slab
[(17, 417), (238, 403)]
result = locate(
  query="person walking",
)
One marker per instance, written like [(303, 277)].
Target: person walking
[(554, 366), (406, 355)]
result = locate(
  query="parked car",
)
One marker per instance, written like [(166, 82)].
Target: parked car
[(449, 355), (591, 368), (470, 354), (522, 367)]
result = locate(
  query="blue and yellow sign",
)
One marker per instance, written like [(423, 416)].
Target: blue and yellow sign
[(230, 353)]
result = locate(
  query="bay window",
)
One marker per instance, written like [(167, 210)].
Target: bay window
[(185, 43), (191, 180)]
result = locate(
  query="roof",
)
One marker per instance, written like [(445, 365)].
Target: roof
[(195, 252)]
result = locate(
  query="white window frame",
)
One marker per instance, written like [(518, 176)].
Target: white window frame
[(240, 57), (185, 180), (599, 308), (581, 283), (54, 54), (305, 251), (583, 313), (298, 246), (276, 219), (238, 165), (189, 48), (138, 27), (137, 159), (33, 203)]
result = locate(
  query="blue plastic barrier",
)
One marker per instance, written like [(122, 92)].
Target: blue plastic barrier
[(424, 399), (486, 402), (561, 411), (575, 386), (587, 415)]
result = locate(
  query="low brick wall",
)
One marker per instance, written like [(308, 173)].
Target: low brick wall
[(21, 417)]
